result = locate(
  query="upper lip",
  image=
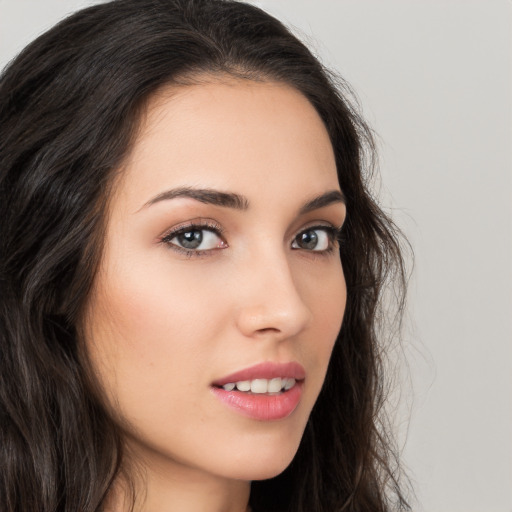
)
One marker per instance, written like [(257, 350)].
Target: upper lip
[(266, 370)]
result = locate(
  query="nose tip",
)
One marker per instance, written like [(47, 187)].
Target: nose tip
[(273, 306)]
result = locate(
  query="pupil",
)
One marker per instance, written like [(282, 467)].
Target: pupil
[(308, 240), (191, 239)]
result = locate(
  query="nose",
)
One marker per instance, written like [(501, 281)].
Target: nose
[(270, 302)]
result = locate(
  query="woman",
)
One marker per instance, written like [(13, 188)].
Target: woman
[(185, 307)]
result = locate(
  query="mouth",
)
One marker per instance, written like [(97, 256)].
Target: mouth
[(273, 386), (264, 392)]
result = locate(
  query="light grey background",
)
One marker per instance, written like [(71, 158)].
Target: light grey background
[(434, 79)]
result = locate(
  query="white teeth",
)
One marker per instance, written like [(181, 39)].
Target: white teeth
[(243, 385), (289, 384), (275, 385), (261, 386)]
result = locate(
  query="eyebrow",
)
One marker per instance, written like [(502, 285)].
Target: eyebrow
[(331, 197), (239, 202), (204, 195)]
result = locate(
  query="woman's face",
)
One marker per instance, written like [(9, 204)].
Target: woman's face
[(220, 271)]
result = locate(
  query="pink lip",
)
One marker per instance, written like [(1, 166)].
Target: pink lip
[(267, 370), (263, 407)]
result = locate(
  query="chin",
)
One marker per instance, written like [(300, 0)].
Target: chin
[(261, 471), (267, 473), (267, 461)]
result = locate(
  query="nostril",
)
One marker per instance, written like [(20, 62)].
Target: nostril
[(268, 330)]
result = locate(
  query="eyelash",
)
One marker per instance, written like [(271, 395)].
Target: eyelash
[(193, 226), (334, 235)]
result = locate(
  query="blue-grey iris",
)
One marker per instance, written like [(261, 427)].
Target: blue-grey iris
[(307, 239), (191, 239)]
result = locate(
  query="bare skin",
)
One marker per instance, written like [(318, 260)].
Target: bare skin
[(167, 319)]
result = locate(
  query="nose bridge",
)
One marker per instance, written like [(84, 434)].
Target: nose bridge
[(272, 302)]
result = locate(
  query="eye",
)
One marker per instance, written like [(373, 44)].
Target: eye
[(195, 238), (317, 238)]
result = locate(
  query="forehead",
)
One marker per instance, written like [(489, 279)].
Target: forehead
[(233, 134)]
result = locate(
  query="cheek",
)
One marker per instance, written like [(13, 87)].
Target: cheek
[(327, 297), (152, 303), (145, 335)]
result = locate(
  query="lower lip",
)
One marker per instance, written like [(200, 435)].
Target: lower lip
[(261, 407)]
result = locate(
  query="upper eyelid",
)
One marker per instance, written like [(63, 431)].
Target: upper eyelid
[(214, 226), (328, 226), (206, 225), (332, 230)]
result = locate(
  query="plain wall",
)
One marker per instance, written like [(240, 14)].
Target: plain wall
[(434, 79)]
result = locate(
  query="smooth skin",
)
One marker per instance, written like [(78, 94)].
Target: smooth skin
[(247, 283)]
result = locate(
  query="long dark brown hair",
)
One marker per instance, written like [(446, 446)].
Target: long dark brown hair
[(70, 105)]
